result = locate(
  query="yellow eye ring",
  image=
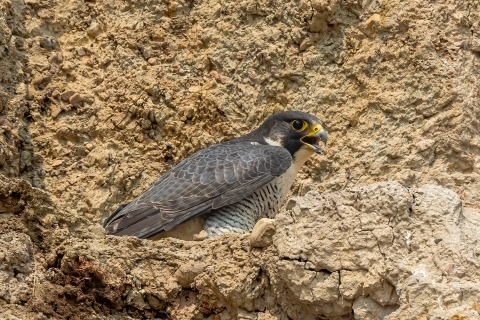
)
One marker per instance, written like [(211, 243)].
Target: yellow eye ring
[(299, 125)]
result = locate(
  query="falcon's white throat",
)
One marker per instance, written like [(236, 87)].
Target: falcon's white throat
[(301, 156), (285, 181)]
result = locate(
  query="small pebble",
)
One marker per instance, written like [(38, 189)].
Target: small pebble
[(55, 44), (152, 61), (56, 58), (81, 52), (168, 97), (145, 124), (55, 110), (67, 67), (190, 112), (75, 98), (66, 95), (275, 35), (94, 30), (305, 44), (51, 259), (30, 92), (38, 79), (45, 43)]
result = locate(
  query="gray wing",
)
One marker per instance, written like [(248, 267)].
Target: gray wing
[(212, 178)]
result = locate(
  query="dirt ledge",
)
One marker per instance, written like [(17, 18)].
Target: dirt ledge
[(374, 252)]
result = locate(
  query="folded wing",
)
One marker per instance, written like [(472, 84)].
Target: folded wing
[(212, 178)]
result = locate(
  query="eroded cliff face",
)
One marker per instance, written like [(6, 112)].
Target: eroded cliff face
[(375, 252), (99, 98)]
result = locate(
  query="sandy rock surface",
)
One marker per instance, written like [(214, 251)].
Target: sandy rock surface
[(413, 252), (377, 252), (100, 98)]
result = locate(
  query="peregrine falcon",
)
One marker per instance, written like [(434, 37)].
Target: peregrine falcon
[(228, 186)]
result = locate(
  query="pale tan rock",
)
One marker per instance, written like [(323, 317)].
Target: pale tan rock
[(186, 274), (202, 235), (262, 233), (379, 290), (393, 271), (38, 79), (75, 98), (30, 92), (56, 58), (351, 283), (67, 67), (51, 259), (16, 253), (322, 13), (55, 110), (94, 29), (89, 146), (372, 25), (475, 44), (305, 44), (367, 309), (66, 95)]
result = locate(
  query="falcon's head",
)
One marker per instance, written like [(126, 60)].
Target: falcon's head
[(298, 132)]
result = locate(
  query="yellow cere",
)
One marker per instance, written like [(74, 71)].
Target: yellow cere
[(316, 128)]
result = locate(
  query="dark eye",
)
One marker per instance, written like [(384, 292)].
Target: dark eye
[(298, 125)]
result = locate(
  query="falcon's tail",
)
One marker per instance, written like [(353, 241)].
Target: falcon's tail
[(115, 215)]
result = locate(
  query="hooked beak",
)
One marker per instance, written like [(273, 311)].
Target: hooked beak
[(313, 137)]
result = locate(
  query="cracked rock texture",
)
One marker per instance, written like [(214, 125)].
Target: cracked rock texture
[(376, 252), (99, 98), (380, 250)]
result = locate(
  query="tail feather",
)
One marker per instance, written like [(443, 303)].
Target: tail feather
[(115, 215)]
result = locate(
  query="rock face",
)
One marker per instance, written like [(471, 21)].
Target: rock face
[(100, 98), (376, 252), (380, 250)]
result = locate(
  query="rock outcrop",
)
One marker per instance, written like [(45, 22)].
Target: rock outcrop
[(377, 252)]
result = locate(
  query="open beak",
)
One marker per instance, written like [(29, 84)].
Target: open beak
[(312, 139)]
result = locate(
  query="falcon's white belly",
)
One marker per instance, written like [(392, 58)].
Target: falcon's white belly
[(240, 217)]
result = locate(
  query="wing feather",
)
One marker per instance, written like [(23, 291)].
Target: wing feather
[(212, 178)]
